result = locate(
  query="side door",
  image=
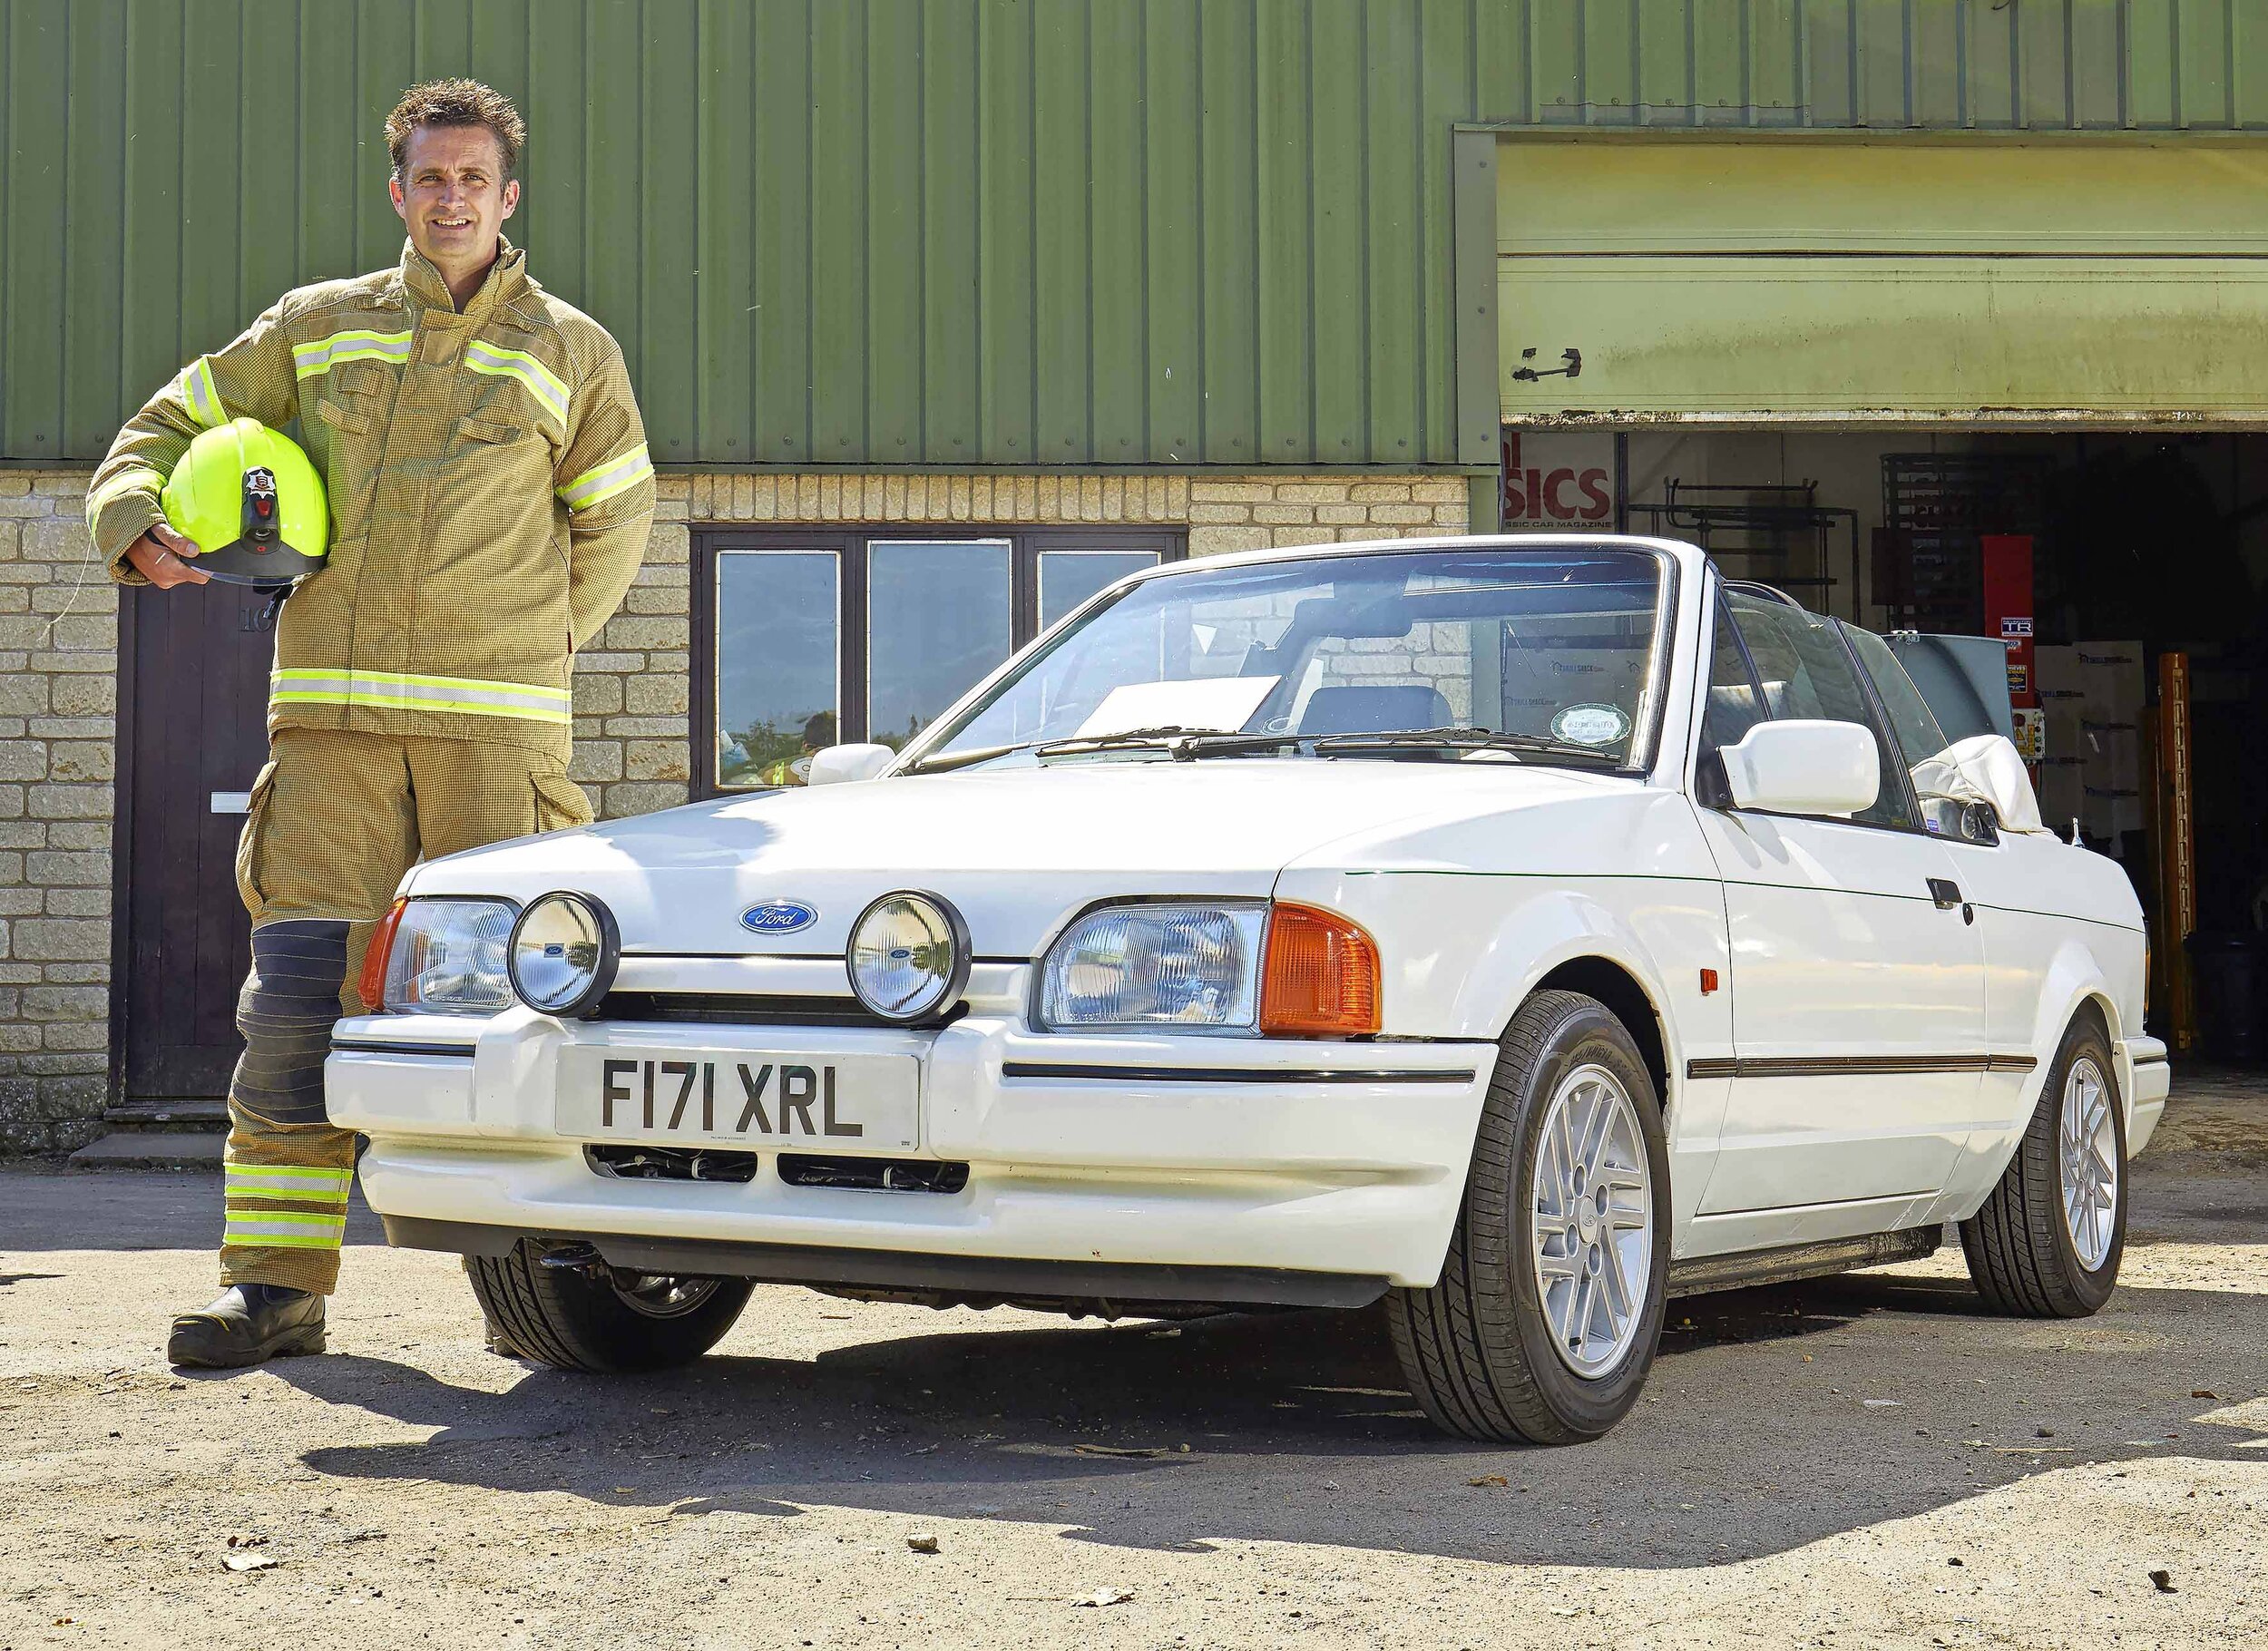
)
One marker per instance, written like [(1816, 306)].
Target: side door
[(193, 737), (2021, 885), (1857, 972)]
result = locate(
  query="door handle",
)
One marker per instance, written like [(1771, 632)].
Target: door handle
[(1945, 893)]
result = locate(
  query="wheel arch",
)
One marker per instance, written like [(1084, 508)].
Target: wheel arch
[(1995, 1144), (2077, 983), (1601, 977)]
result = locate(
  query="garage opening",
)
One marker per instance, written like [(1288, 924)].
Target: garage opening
[(2015, 389), (2123, 575)]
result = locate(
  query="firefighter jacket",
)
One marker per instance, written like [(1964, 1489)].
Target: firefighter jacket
[(490, 494)]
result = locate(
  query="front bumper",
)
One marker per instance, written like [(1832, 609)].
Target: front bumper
[(1118, 1156)]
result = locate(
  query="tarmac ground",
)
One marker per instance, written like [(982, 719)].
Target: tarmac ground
[(1859, 1461)]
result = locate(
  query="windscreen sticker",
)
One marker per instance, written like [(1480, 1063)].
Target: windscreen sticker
[(1590, 724)]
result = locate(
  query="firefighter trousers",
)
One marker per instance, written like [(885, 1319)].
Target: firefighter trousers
[(335, 819)]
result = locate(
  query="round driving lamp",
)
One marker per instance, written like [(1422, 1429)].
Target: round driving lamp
[(909, 956), (563, 954)]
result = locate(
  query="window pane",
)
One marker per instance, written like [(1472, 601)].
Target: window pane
[(938, 620), (1910, 715), (1067, 578), (776, 648), (1807, 673), (1732, 710)]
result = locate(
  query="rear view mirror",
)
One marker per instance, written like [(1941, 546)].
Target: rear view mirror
[(1805, 766), (837, 764)]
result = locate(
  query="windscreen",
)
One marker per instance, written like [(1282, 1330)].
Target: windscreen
[(1560, 644)]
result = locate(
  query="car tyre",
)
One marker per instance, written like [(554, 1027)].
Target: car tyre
[(2041, 1247), (1483, 1350), (600, 1319)]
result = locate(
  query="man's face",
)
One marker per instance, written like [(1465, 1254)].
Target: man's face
[(453, 194)]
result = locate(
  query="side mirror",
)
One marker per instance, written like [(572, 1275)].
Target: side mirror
[(837, 764), (1805, 766)]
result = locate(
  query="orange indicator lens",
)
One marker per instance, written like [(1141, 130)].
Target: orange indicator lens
[(372, 986), (1321, 979)]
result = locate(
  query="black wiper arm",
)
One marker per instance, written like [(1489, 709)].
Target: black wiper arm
[(1462, 739), (945, 762), (1183, 743), (1104, 742), (1235, 745)]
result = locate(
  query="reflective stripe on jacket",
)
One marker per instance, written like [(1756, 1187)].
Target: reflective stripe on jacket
[(490, 495)]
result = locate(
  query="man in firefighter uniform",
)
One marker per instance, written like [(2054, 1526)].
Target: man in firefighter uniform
[(490, 494)]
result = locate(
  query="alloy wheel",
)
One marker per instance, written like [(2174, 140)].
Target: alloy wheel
[(1592, 1204), (2087, 1140)]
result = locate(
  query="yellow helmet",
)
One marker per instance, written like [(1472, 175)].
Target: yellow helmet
[(251, 502)]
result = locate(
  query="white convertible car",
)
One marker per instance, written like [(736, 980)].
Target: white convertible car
[(1525, 931)]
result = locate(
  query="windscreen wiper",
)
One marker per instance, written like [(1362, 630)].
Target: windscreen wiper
[(1183, 743), (1079, 744), (1461, 739), (945, 762), (1235, 745), (1189, 744)]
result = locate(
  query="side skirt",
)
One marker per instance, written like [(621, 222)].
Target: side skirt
[(1747, 1268)]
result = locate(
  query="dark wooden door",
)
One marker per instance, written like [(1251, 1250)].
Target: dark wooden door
[(195, 708)]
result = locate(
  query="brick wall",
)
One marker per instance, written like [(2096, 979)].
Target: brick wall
[(58, 696), (632, 752), (58, 699), (631, 683)]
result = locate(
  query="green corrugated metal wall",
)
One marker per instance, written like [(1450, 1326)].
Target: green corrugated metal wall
[(953, 231)]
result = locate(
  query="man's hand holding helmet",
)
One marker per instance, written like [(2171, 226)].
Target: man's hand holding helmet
[(162, 557)]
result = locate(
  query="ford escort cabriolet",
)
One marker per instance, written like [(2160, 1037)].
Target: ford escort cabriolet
[(1525, 931)]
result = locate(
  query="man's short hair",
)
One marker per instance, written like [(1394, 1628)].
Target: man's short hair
[(456, 103)]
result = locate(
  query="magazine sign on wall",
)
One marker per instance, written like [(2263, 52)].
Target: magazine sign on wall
[(1559, 482)]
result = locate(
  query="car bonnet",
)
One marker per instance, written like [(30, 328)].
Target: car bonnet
[(1017, 850)]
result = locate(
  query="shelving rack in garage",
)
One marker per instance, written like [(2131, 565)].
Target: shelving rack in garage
[(1777, 532), (1936, 507)]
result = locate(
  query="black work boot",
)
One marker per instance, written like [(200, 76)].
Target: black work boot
[(248, 1324)]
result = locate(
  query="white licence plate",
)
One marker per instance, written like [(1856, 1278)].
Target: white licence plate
[(825, 1103)]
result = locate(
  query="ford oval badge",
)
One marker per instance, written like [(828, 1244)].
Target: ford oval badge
[(778, 917)]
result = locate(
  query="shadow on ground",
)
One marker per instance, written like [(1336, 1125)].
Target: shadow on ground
[(61, 1209), (1757, 1436)]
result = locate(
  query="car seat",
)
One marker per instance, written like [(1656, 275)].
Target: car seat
[(1363, 709)]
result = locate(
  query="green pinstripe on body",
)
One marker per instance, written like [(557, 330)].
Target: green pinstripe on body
[(1741, 882)]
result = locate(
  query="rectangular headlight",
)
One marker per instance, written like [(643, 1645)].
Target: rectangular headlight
[(448, 958), (1177, 964)]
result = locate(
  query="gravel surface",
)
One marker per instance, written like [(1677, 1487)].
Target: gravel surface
[(1857, 1462)]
